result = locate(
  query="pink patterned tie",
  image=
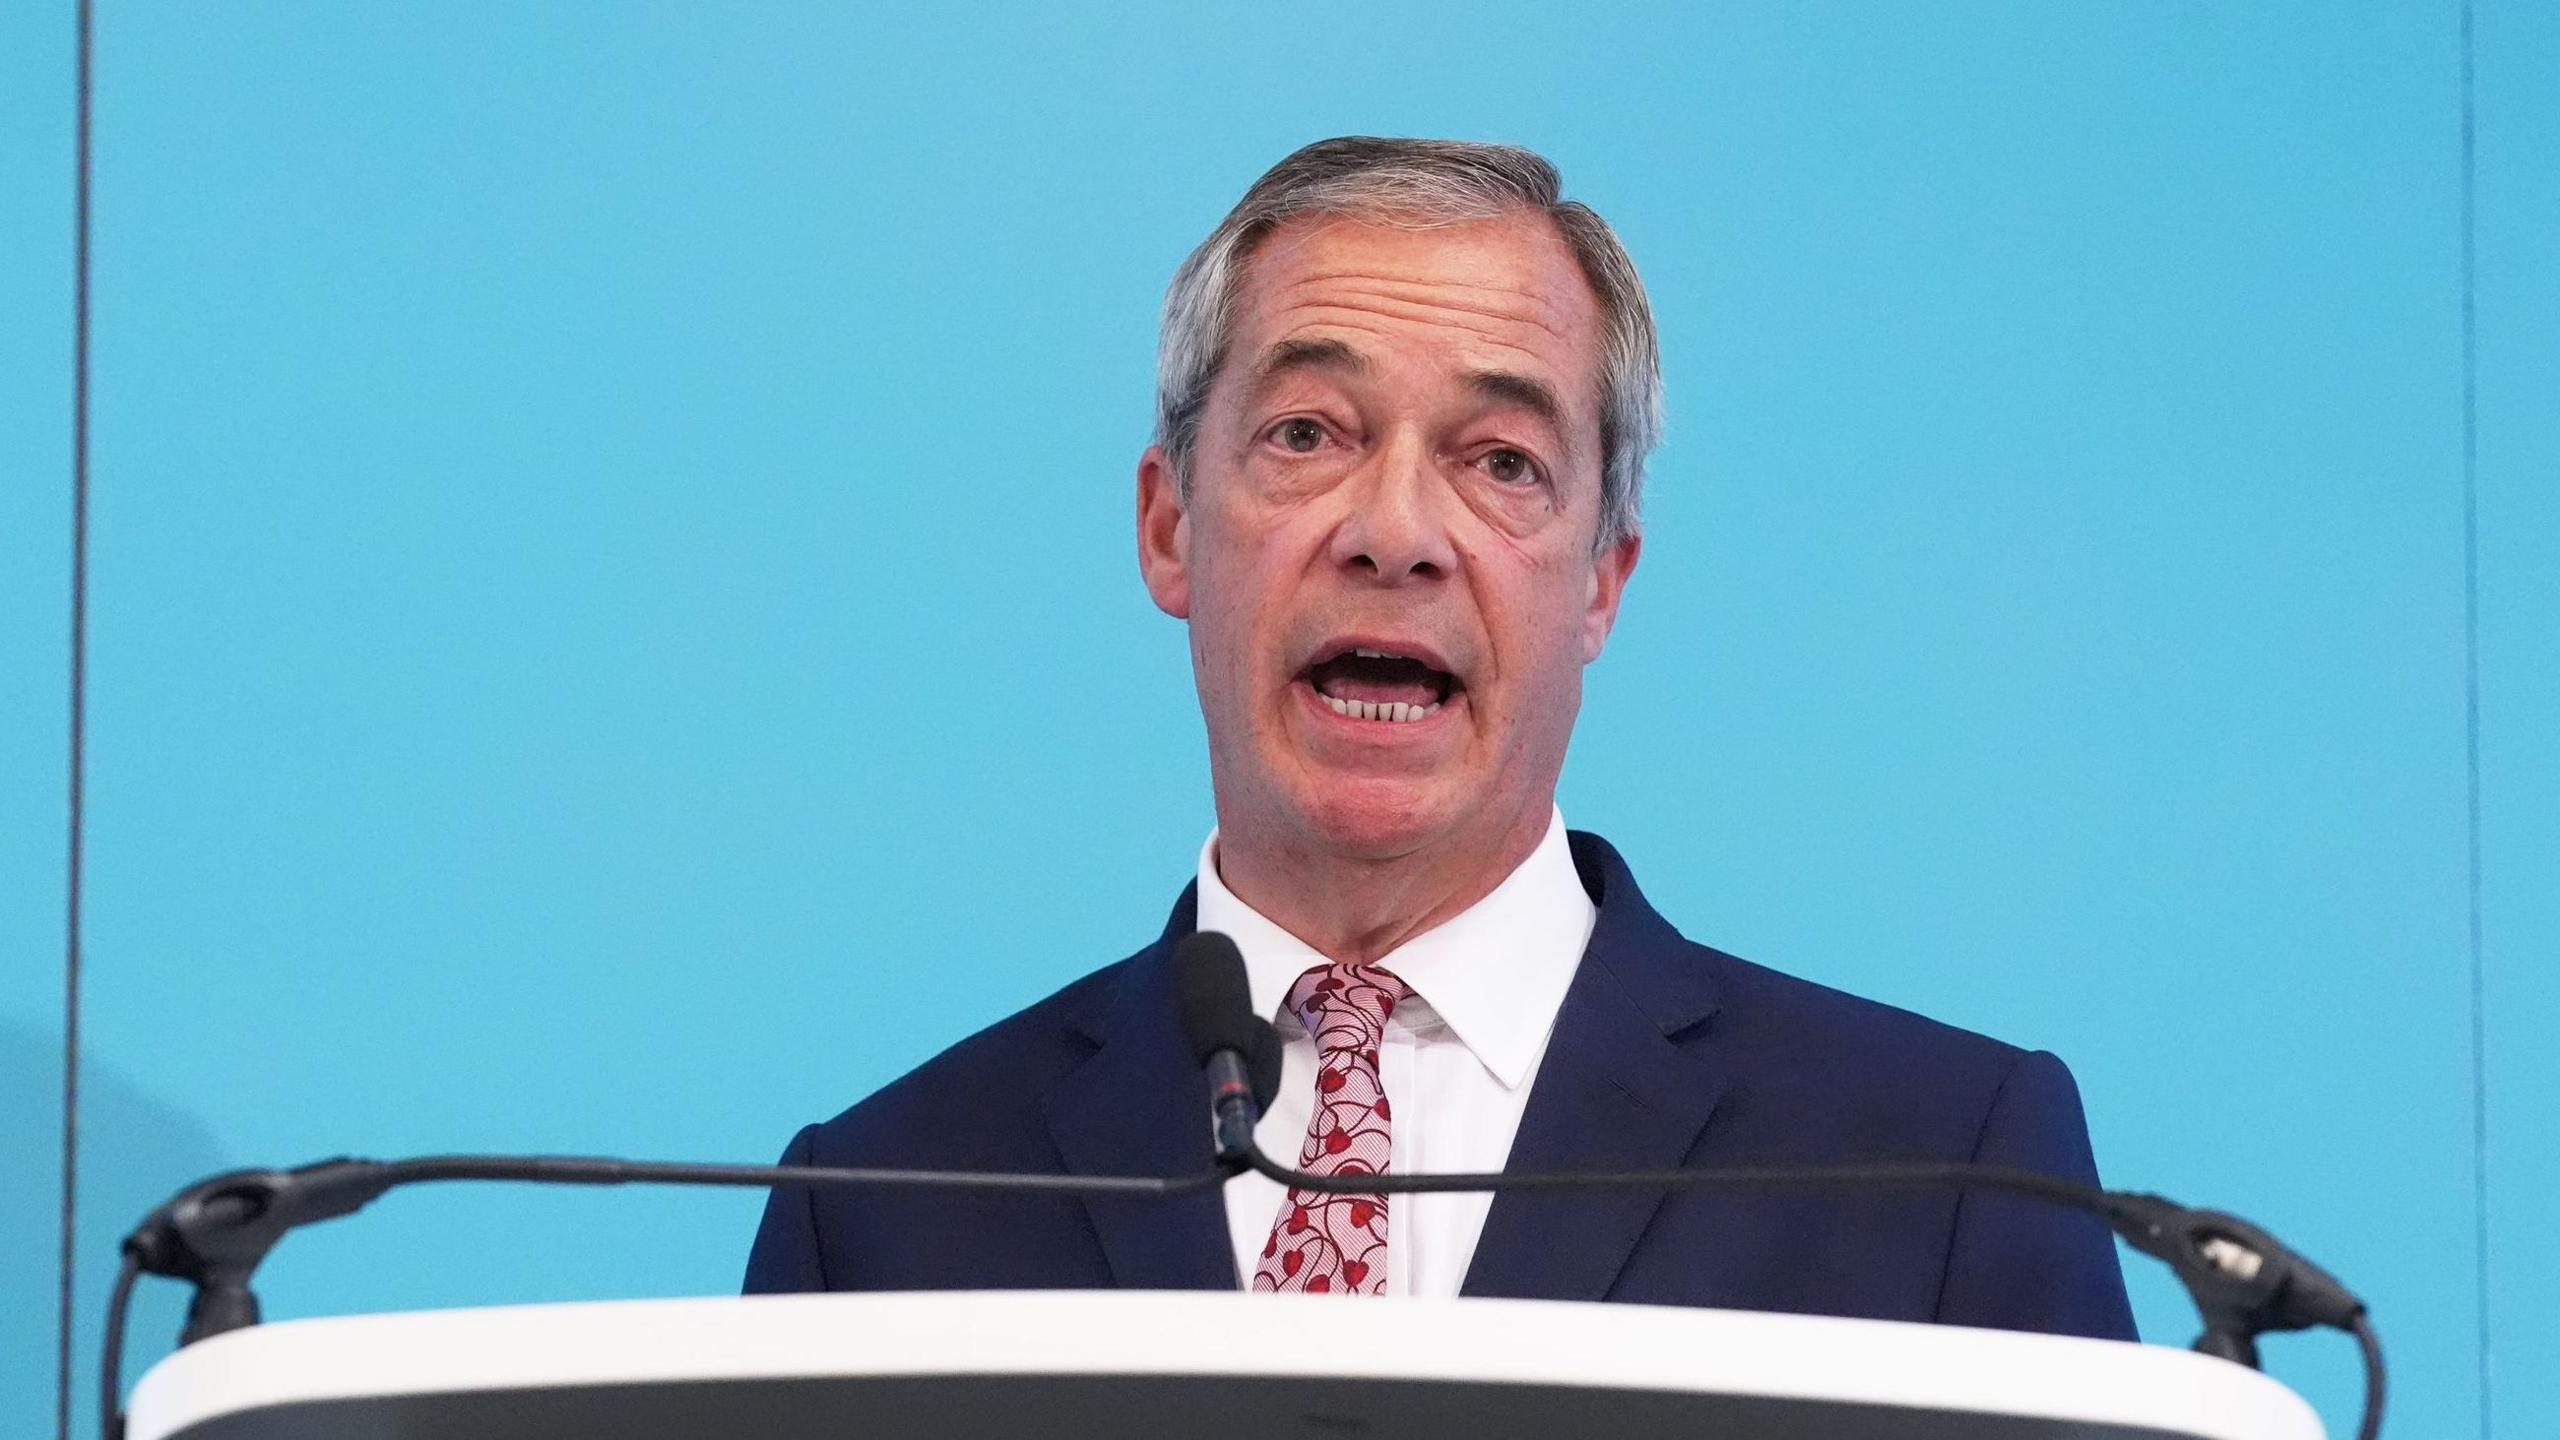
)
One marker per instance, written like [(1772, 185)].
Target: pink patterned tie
[(1338, 1243)]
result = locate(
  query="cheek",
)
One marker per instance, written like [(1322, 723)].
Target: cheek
[(1540, 614), (1249, 563), (1236, 599)]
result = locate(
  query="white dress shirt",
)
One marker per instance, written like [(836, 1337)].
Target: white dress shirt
[(1457, 1060)]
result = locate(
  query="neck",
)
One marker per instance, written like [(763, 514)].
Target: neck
[(1356, 909)]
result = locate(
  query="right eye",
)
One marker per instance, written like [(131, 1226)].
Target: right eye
[(1298, 435)]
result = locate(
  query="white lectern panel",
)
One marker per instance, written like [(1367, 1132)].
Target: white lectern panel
[(1067, 1365)]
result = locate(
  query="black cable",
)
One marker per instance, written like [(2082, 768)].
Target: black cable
[(111, 1352), (79, 722), (1918, 1172), (585, 1170), (216, 1232), (2370, 1345)]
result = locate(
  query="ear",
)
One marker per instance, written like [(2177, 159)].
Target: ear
[(1164, 535), (1610, 570)]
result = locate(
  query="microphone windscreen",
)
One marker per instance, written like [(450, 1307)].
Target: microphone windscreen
[(1216, 1001), (1262, 1063)]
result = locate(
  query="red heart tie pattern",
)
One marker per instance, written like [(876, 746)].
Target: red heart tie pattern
[(1337, 1244)]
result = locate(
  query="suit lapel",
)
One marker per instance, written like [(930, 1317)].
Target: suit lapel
[(1616, 1091), (1140, 1106)]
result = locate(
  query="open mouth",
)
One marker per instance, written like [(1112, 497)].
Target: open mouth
[(1362, 684)]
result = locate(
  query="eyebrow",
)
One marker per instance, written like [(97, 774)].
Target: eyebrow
[(1508, 387), (1525, 391), (1295, 355)]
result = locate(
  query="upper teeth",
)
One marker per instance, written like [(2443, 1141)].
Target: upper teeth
[(1377, 654)]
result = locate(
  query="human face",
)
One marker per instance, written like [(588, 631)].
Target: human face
[(1400, 454)]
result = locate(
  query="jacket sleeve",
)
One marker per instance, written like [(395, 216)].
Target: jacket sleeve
[(785, 1257), (2017, 1263)]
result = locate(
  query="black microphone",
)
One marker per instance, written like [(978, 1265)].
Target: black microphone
[(1238, 1048)]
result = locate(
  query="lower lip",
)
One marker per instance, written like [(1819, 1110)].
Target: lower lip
[(1382, 730)]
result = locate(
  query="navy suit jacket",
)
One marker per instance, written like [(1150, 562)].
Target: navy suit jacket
[(1665, 1053)]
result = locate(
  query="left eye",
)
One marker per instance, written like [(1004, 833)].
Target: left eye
[(1510, 466), (1298, 434)]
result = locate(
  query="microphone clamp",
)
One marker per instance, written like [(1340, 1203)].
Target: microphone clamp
[(215, 1232)]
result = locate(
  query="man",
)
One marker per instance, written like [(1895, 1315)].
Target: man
[(1405, 395)]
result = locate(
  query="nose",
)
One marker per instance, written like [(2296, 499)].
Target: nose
[(1393, 530)]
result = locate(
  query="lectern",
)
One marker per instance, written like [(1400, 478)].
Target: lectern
[(1076, 1365)]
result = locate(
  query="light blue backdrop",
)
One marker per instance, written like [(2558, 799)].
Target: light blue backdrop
[(615, 627)]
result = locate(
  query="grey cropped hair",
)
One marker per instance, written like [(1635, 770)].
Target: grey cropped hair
[(1419, 183)]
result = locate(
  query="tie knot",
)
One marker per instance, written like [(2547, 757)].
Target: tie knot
[(1345, 1007)]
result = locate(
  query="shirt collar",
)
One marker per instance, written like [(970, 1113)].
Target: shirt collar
[(1495, 973)]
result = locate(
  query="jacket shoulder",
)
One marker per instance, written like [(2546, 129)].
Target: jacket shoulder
[(1805, 1040), (1837, 1077), (1821, 1017), (1872, 1079)]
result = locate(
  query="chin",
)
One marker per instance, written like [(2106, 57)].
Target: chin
[(1376, 818)]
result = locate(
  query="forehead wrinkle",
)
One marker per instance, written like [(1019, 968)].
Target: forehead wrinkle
[(1494, 324), (1433, 295)]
